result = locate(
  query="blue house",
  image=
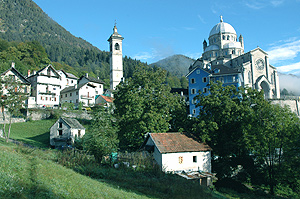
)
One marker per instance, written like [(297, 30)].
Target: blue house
[(200, 78)]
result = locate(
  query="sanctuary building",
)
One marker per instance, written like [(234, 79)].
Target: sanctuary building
[(223, 59)]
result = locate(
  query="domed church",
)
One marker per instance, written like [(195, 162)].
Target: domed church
[(223, 59)]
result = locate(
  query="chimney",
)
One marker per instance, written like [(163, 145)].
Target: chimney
[(28, 73), (12, 64), (86, 75), (34, 72)]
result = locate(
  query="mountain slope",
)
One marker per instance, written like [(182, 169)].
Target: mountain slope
[(23, 20), (177, 65)]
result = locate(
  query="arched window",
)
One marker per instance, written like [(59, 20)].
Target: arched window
[(117, 46), (249, 77)]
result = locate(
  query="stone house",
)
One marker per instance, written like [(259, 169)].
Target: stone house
[(176, 152), (65, 131), (181, 154)]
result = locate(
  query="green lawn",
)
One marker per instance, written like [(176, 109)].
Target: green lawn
[(35, 133), (24, 175)]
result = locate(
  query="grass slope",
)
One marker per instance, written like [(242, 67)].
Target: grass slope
[(24, 175), (36, 133)]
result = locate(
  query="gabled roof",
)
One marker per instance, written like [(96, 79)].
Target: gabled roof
[(72, 123), (91, 79), (69, 75), (49, 66), (18, 74), (176, 142), (76, 87), (107, 98)]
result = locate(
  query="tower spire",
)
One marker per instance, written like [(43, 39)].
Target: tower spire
[(221, 18), (115, 27)]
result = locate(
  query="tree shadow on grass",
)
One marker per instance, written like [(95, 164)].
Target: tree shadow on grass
[(40, 141)]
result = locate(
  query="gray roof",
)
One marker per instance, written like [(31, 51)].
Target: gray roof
[(91, 79), (73, 123), (76, 87)]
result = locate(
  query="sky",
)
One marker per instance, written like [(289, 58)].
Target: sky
[(156, 29)]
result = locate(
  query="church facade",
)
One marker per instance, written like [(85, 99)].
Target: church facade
[(224, 60)]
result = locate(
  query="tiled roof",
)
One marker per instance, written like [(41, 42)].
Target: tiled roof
[(177, 142), (91, 79), (73, 123), (107, 99)]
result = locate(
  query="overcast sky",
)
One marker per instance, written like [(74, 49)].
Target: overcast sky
[(155, 29)]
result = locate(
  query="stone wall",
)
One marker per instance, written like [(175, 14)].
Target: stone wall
[(293, 104), (40, 114)]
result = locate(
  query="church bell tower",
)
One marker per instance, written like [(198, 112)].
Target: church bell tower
[(116, 58)]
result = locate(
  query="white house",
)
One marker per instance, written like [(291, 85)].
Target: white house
[(84, 93), (65, 131), (45, 86), (17, 76), (67, 79), (93, 81), (177, 152)]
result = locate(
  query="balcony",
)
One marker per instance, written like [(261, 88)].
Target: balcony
[(87, 97)]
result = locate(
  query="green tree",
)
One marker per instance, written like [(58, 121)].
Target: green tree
[(13, 97), (102, 138), (144, 104), (245, 129)]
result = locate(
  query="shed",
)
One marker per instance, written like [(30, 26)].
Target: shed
[(65, 131)]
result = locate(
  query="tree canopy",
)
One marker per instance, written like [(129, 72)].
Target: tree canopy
[(246, 130), (144, 104)]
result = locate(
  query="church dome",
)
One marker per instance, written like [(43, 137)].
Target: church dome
[(211, 47), (222, 27)]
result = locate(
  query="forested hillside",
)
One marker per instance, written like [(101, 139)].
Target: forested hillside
[(28, 29)]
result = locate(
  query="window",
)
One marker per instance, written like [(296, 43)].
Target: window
[(117, 46), (204, 79), (76, 92), (61, 96), (60, 132), (180, 159), (55, 99), (198, 71), (41, 98), (46, 98), (79, 132), (60, 125), (204, 90), (194, 158), (193, 91), (66, 95), (193, 81), (194, 111), (221, 79), (70, 94), (212, 79), (76, 100), (99, 86), (71, 81)]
